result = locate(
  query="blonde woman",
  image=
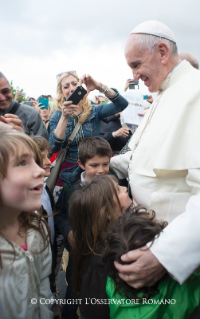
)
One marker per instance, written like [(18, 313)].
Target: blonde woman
[(63, 121)]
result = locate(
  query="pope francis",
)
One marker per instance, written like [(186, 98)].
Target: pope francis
[(163, 165)]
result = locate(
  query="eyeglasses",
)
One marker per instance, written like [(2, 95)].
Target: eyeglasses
[(58, 75)]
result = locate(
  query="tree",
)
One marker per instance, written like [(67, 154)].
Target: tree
[(17, 89)]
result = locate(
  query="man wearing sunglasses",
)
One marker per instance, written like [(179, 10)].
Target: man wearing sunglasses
[(21, 117)]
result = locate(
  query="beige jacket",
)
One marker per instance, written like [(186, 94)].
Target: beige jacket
[(25, 278)]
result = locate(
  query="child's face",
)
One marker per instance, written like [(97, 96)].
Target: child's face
[(21, 189), (124, 199), (46, 163), (95, 166)]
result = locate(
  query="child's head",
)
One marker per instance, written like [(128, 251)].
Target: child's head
[(131, 231), (44, 148), (21, 175), (94, 156), (93, 207)]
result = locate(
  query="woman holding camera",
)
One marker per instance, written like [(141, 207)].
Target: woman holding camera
[(64, 120)]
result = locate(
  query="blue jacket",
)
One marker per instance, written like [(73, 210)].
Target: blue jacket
[(91, 126), (72, 181)]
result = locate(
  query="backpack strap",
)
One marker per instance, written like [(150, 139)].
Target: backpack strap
[(14, 108)]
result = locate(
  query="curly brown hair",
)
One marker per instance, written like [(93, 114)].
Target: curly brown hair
[(130, 231), (12, 142)]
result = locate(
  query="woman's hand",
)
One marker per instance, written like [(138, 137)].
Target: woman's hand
[(68, 109), (90, 83)]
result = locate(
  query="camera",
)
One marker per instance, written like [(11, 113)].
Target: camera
[(132, 84)]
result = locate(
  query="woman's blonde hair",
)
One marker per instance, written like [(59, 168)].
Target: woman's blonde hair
[(59, 100), (13, 142)]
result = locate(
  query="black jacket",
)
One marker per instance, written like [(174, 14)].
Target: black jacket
[(113, 124)]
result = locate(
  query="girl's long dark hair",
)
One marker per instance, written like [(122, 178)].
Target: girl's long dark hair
[(91, 210), (130, 231)]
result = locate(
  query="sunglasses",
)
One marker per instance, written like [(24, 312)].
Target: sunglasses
[(58, 75)]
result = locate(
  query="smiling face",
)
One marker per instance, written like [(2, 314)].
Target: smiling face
[(46, 162), (5, 94), (68, 85), (145, 65), (124, 199), (96, 166), (22, 186)]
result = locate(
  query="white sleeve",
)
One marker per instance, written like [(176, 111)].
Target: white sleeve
[(119, 164), (178, 246)]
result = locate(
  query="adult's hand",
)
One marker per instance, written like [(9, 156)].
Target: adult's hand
[(35, 105), (68, 109), (96, 100), (4, 126), (150, 99), (124, 132), (18, 95), (14, 121), (145, 269), (90, 83), (129, 81)]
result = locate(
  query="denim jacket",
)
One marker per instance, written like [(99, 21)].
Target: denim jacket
[(91, 126)]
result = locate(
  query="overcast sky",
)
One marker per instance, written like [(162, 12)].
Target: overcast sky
[(41, 38)]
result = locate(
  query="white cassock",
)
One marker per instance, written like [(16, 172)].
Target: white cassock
[(164, 170)]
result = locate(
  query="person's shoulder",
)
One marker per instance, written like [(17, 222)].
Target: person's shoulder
[(71, 175), (27, 109)]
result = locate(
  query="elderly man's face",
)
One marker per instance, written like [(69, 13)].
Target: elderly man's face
[(144, 65), (5, 94)]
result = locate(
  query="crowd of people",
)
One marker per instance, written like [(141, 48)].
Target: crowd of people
[(129, 222)]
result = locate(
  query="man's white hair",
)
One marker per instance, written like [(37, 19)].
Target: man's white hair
[(149, 42)]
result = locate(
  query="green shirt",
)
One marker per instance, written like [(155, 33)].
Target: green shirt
[(173, 301)]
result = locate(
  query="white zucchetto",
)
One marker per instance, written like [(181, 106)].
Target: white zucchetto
[(155, 27)]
